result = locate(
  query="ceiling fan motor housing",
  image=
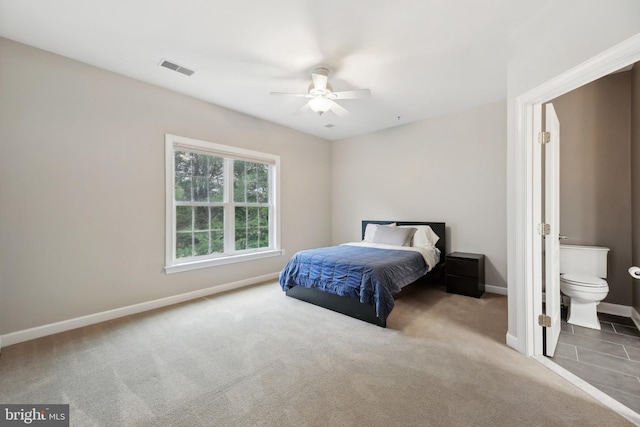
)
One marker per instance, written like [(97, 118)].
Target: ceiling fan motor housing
[(320, 92)]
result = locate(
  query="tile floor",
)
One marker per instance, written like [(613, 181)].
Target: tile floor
[(608, 359)]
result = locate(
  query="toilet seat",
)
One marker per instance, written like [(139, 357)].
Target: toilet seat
[(586, 282)]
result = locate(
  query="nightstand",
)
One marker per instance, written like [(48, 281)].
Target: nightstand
[(465, 274)]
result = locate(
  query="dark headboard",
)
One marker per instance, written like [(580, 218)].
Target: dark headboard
[(437, 227)]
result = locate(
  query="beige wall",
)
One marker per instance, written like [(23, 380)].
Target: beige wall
[(447, 169), (595, 174), (82, 223), (635, 176)]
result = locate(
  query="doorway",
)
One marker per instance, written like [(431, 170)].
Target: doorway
[(528, 260), (596, 146)]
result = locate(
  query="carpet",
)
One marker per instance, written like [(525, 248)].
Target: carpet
[(254, 357)]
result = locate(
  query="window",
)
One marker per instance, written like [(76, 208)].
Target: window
[(222, 204)]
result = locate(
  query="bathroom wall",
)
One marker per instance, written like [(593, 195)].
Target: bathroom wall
[(595, 174), (635, 176)]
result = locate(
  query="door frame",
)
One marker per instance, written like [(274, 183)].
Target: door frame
[(528, 199)]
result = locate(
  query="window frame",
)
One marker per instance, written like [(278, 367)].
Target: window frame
[(230, 255)]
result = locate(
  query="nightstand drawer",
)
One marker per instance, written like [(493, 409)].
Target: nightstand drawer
[(462, 266), (464, 274), (469, 286)]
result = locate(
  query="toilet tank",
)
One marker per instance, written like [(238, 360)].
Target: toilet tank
[(584, 259)]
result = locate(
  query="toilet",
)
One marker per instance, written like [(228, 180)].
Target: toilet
[(582, 273)]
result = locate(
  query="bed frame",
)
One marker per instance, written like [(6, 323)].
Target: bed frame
[(354, 308)]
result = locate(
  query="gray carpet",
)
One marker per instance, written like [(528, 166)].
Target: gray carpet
[(255, 357)]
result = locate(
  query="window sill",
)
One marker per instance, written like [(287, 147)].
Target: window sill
[(188, 266)]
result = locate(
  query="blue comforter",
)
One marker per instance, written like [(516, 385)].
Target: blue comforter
[(372, 275)]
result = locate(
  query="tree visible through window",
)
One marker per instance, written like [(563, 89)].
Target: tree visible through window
[(223, 205)]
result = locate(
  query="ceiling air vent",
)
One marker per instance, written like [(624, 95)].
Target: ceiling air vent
[(176, 67)]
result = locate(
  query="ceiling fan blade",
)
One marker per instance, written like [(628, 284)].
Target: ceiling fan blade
[(338, 109), (320, 77), (302, 109), (300, 95), (352, 94)]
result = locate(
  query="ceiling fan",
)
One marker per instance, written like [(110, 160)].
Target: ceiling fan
[(321, 96)]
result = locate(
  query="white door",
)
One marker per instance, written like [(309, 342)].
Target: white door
[(552, 217)]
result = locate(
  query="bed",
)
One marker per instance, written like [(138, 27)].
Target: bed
[(359, 279)]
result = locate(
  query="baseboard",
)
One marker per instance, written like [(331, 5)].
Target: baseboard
[(500, 290), (615, 309), (609, 308), (512, 342), (78, 322), (635, 316)]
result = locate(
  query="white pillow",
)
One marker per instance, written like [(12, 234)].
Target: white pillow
[(424, 235), (370, 231), (392, 235)]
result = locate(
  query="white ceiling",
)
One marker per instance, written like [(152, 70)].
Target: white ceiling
[(420, 58)]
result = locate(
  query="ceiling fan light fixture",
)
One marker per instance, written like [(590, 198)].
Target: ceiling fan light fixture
[(321, 96), (320, 105)]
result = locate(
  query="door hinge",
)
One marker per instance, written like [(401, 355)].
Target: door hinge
[(544, 229), (544, 137), (544, 321)]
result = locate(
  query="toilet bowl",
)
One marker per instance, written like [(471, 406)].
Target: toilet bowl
[(583, 269), (585, 292)]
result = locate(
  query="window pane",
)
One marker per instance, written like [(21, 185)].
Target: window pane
[(200, 164), (252, 227), (182, 188), (201, 243), (217, 218), (241, 217), (263, 227), (198, 177), (264, 217), (216, 226), (250, 182), (262, 186), (217, 241), (241, 239), (241, 228), (239, 174), (216, 179), (183, 173), (184, 245), (183, 165), (201, 222), (184, 218), (251, 194), (253, 238), (200, 190)]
